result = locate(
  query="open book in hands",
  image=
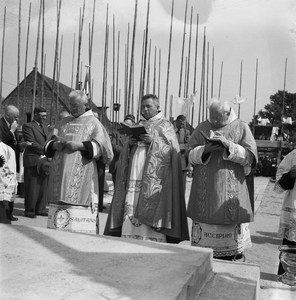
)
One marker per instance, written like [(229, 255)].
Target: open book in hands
[(212, 140), (134, 131)]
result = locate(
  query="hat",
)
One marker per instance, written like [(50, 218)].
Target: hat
[(130, 117)]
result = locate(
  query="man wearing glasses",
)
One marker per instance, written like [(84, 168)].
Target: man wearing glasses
[(8, 127), (223, 153), (36, 133)]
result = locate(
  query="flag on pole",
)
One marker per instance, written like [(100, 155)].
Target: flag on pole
[(238, 100), (185, 106), (86, 88)]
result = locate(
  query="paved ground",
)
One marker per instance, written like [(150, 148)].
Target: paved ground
[(263, 252)]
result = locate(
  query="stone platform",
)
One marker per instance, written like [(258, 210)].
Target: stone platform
[(41, 263)]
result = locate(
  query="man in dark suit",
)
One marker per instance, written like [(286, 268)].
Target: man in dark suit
[(8, 126), (183, 135), (36, 133)]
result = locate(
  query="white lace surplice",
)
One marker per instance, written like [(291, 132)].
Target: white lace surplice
[(287, 227)]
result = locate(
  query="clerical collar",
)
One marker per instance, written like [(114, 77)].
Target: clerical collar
[(158, 116)]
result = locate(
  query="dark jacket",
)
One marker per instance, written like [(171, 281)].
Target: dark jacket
[(37, 135), (117, 141), (183, 136)]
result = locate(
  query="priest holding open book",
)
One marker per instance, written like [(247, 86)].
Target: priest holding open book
[(148, 201)]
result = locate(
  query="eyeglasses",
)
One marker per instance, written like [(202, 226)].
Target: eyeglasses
[(220, 117)]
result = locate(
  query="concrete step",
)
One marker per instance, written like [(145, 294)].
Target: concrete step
[(41, 263), (232, 281)]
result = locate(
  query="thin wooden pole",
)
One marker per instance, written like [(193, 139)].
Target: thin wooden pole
[(2, 57), (240, 86), (195, 55), (113, 86), (80, 76), (90, 57), (133, 92), (106, 76), (284, 92), (171, 107), (132, 57), (255, 96), (26, 63), (188, 57), (19, 54), (154, 70), (42, 55), (81, 20), (201, 104), (207, 82), (72, 75), (220, 81), (145, 49), (182, 55), (36, 62), (141, 77), (148, 72), (126, 70), (212, 83), (195, 67), (204, 78), (169, 62), (117, 68), (105, 66), (283, 115), (159, 73), (125, 80), (59, 3), (185, 77), (59, 62)]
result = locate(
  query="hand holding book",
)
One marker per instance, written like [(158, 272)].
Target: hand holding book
[(135, 131), (219, 140)]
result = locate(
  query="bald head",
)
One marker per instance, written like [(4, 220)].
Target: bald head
[(219, 112), (64, 114), (11, 114)]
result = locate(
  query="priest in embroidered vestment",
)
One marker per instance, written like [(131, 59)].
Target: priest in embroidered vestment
[(77, 141), (148, 201), (7, 180), (222, 192)]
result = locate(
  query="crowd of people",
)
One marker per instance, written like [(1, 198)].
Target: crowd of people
[(65, 167)]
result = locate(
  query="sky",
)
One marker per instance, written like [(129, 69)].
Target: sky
[(242, 34)]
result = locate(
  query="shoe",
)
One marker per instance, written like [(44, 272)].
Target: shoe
[(43, 214), (30, 215), (239, 257), (12, 218)]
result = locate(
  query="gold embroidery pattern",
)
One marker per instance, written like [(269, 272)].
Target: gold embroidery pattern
[(56, 179), (202, 192), (156, 171), (232, 196), (79, 164)]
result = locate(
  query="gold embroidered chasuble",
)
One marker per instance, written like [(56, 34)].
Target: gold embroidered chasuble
[(73, 178), (7, 173), (161, 202), (219, 192)]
